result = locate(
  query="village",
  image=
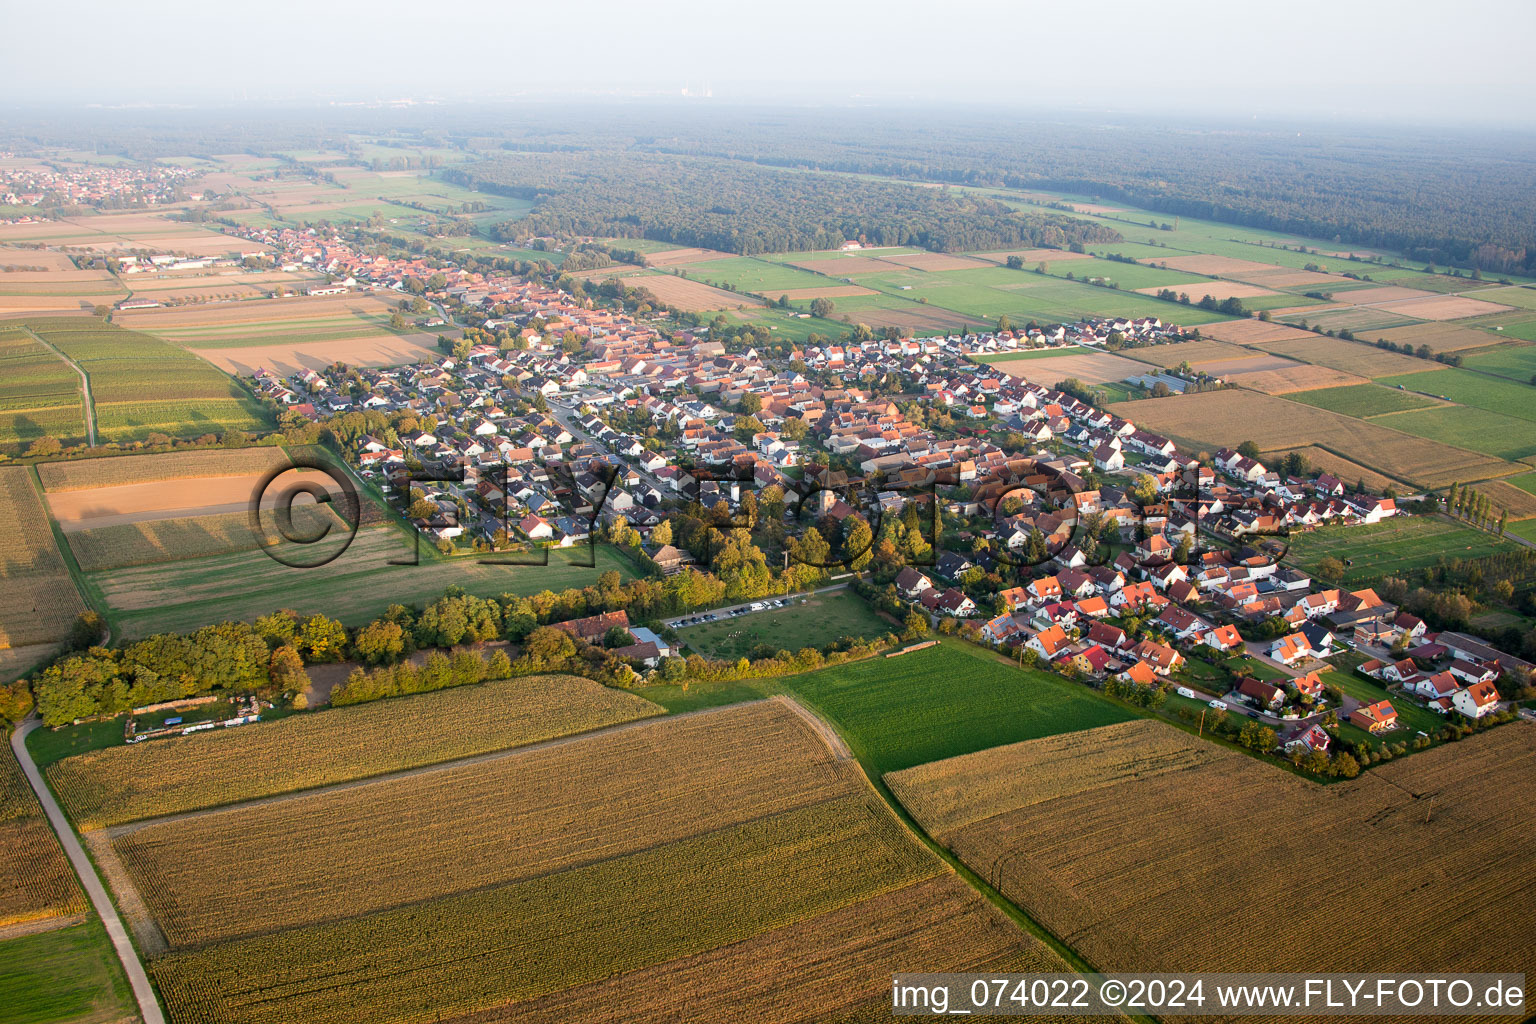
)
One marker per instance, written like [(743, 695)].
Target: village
[(1131, 557)]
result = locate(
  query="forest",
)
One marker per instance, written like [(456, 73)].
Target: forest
[(748, 209)]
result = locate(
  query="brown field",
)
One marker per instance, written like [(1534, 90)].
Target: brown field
[(1298, 377), (1148, 849), (1273, 278), (1033, 256), (1217, 418), (1215, 289), (117, 542), (379, 350), (1381, 293), (38, 599), (672, 257), (1344, 469), (917, 318), (1192, 352), (78, 511), (45, 258), (1090, 368), (1253, 331), (1258, 362), (834, 292), (688, 295), (933, 262), (16, 662), (264, 311), (116, 785), (1349, 356), (1443, 307), (1520, 504), (1439, 337), (845, 266), (1223, 266), (137, 469)]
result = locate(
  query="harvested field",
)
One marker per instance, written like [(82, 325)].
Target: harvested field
[(1254, 362), (217, 321), (208, 878), (122, 784), (1364, 401), (1442, 307), (1217, 290), (935, 262), (1349, 356), (835, 292), (689, 295), (1090, 368), (119, 471), (1296, 377), (1282, 278), (1032, 256), (1191, 352), (1253, 331), (1382, 293), (1344, 469), (38, 599), (36, 882), (1210, 266), (1439, 337), (912, 317), (1172, 877), (174, 499), (378, 350), (672, 257), (1217, 418), (845, 266)]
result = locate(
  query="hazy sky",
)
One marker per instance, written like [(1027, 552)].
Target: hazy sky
[(1398, 60)]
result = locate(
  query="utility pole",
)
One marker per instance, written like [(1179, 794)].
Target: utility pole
[(1202, 723)]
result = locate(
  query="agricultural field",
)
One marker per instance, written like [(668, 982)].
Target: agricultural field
[(682, 292), (36, 882), (121, 471), (759, 277), (121, 783), (67, 976), (1438, 337), (1364, 401), (39, 394), (1178, 871), (1517, 362), (154, 541), (141, 385), (1220, 418), (765, 841), (1087, 366), (1293, 378), (1474, 429), (1506, 398), (1401, 546), (374, 572), (38, 599), (812, 621)]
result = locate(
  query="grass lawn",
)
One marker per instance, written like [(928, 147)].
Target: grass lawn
[(66, 975), (1410, 716), (813, 621), (1039, 353), (1398, 546), (1363, 400)]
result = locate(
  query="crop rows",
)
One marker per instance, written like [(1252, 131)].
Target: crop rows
[(89, 474), (39, 393), (38, 600), (467, 953), (170, 540), (140, 384), (122, 784), (1150, 853), (424, 836), (35, 880)]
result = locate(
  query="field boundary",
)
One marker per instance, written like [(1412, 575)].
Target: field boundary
[(88, 404), (143, 992)]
